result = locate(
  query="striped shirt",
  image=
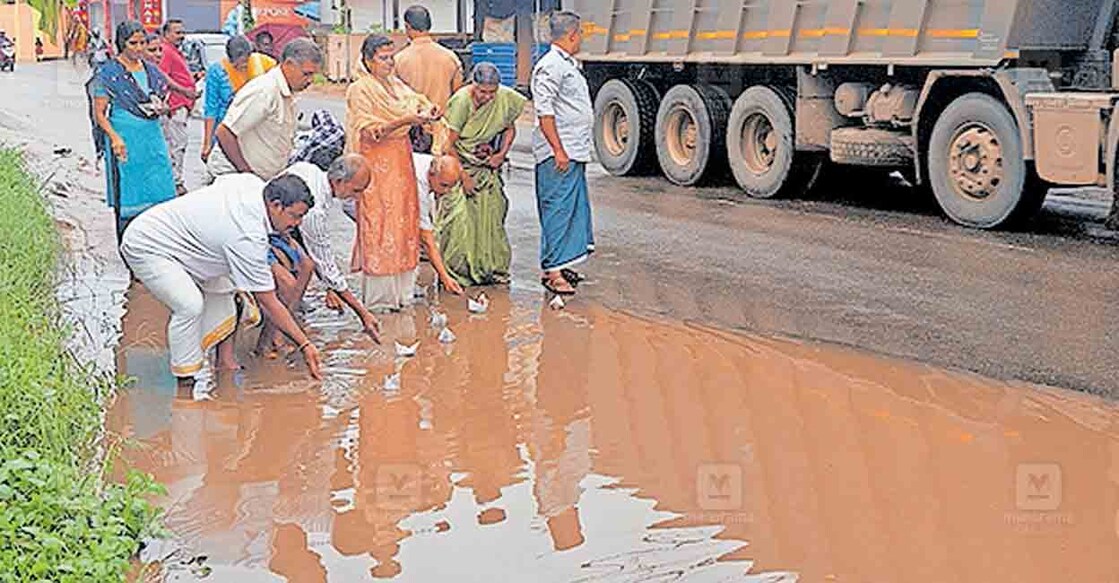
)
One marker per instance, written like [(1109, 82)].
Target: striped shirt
[(315, 228)]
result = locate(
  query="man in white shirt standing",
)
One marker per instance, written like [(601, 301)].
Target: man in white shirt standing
[(562, 145), (258, 131), (191, 253), (345, 178)]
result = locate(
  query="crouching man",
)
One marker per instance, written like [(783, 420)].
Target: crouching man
[(292, 264), (191, 253)]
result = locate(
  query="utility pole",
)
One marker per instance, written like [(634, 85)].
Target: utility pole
[(347, 28)]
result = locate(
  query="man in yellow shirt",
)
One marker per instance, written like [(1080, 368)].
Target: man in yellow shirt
[(427, 67)]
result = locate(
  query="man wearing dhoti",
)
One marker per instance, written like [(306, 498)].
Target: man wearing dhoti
[(193, 252)]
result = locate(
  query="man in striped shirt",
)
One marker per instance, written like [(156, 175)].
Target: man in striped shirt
[(344, 179)]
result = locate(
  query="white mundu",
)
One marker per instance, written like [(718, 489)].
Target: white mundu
[(193, 252)]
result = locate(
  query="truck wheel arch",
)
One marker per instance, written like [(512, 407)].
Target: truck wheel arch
[(942, 87)]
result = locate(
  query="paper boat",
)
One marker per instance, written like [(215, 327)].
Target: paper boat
[(557, 303), (478, 305), (438, 320), (403, 351), (392, 382), (446, 336)]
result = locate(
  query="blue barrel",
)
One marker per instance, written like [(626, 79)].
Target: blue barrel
[(502, 55)]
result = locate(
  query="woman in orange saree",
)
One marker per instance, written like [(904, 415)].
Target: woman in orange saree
[(380, 111)]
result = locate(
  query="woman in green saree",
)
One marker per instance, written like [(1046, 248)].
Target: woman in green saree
[(481, 119)]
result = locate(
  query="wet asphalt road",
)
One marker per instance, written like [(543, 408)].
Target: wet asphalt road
[(876, 268), (865, 267)]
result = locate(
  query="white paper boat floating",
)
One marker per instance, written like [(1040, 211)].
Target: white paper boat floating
[(446, 336), (403, 351), (478, 305), (392, 382), (438, 320), (557, 303)]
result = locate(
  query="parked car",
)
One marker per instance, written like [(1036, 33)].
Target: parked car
[(201, 50)]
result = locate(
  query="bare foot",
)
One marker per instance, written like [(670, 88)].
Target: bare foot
[(226, 365)]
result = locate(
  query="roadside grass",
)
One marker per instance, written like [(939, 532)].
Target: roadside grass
[(60, 518)]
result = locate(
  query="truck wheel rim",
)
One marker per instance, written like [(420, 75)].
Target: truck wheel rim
[(759, 144), (681, 136), (615, 129), (975, 163)]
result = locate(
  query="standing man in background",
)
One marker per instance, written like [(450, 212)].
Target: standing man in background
[(428, 67), (265, 44), (562, 146), (258, 131), (183, 94)]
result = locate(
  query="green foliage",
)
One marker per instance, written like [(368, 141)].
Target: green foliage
[(58, 520), (248, 21), (51, 13), (56, 525)]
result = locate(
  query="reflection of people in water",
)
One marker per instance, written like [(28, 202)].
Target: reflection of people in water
[(292, 557), (397, 469), (480, 414), (561, 439)]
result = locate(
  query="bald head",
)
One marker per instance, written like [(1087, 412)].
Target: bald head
[(349, 176), (445, 174)]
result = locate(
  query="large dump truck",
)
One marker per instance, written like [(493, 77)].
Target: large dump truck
[(985, 103)]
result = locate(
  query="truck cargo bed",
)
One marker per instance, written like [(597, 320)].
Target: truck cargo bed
[(903, 32)]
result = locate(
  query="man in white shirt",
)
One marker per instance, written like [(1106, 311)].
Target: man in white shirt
[(258, 131), (345, 178), (562, 145), (435, 176), (191, 253)]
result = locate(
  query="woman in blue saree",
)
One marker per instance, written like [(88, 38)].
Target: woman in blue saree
[(129, 95)]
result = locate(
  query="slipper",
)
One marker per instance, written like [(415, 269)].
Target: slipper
[(547, 283), (573, 277)]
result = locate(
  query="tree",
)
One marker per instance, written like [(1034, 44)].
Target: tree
[(247, 21), (50, 14)]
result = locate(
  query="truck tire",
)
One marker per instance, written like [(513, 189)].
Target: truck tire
[(871, 147), (625, 113), (691, 142), (761, 142), (976, 166)]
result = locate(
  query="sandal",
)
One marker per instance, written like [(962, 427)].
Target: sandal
[(548, 285), (573, 277)]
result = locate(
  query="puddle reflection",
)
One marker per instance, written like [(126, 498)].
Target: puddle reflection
[(588, 445)]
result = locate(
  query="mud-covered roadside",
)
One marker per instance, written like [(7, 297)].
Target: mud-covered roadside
[(62, 516)]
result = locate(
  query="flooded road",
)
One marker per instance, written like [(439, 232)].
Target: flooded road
[(592, 445)]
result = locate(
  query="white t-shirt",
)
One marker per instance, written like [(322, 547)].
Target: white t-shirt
[(422, 162), (316, 224), (220, 230)]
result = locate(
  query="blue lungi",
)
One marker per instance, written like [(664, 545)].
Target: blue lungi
[(567, 233)]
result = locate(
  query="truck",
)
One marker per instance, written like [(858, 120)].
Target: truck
[(985, 104)]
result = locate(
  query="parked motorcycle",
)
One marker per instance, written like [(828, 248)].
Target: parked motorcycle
[(8, 56)]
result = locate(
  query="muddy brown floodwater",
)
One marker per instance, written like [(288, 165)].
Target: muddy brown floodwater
[(587, 445)]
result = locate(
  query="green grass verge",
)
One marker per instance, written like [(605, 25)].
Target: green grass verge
[(60, 520)]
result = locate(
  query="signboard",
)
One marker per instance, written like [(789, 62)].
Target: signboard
[(283, 12), (151, 14)]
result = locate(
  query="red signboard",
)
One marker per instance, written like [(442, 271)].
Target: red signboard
[(151, 14)]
